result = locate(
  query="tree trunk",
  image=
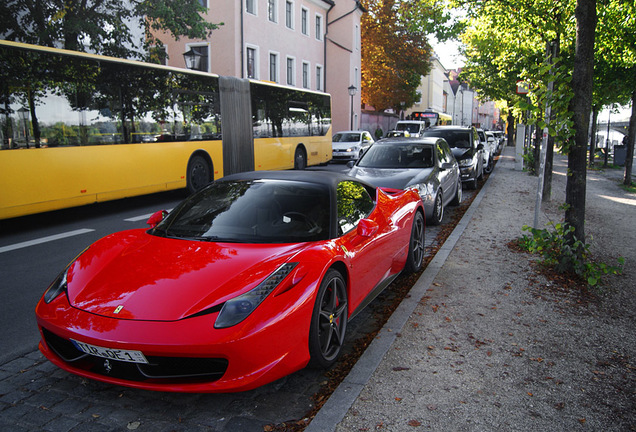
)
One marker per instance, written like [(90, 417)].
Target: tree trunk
[(582, 74), (631, 138), (593, 136)]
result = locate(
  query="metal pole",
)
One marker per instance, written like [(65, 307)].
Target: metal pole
[(351, 113)]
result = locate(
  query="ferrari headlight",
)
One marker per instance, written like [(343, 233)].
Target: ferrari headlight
[(58, 286), (237, 309), (465, 162)]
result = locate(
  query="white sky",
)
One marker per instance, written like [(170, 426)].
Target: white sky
[(448, 53)]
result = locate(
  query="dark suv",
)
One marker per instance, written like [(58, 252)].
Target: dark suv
[(465, 145)]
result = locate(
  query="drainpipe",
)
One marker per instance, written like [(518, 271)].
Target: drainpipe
[(242, 43), (324, 54)]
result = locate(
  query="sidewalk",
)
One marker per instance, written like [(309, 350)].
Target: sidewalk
[(484, 343)]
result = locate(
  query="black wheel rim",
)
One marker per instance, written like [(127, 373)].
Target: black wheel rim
[(439, 209), (417, 241), (332, 320)]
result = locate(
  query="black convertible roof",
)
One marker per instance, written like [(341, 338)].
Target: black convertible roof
[(327, 178)]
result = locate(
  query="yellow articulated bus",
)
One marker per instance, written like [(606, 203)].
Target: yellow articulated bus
[(432, 117), (79, 128)]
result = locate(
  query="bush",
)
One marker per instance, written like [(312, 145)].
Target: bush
[(563, 257)]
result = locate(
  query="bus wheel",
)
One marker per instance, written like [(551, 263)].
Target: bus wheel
[(198, 174), (300, 159)]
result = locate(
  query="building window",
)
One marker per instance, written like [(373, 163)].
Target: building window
[(304, 21), (319, 78), (318, 27), (271, 10), (290, 71), (289, 14), (273, 67), (250, 6), (251, 63), (305, 75)]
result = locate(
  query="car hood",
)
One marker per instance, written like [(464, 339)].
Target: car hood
[(396, 178), (461, 153), (162, 279)]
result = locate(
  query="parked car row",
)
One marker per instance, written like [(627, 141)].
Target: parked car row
[(435, 160)]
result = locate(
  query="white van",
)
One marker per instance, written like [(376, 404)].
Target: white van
[(413, 127)]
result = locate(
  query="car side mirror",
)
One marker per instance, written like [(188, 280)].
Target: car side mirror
[(447, 166), (350, 164), (367, 228), (156, 217), (480, 146)]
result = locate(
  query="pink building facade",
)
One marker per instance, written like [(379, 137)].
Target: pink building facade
[(311, 44)]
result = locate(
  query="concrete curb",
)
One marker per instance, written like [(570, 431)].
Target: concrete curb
[(334, 410)]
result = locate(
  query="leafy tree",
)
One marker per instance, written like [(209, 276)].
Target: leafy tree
[(102, 26), (522, 30), (395, 53), (615, 68), (520, 40)]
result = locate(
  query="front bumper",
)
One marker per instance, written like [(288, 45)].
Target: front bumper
[(187, 355)]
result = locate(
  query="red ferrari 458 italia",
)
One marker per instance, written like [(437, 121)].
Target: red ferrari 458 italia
[(246, 281)]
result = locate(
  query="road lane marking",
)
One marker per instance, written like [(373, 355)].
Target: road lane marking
[(44, 240)]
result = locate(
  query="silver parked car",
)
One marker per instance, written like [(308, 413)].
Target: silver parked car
[(426, 164), (350, 145)]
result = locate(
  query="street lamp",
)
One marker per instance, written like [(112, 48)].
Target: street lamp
[(192, 59), (23, 114), (352, 92)]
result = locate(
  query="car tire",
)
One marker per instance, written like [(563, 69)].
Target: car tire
[(472, 184), (198, 174), (415, 256), (300, 159), (459, 193), (328, 321), (488, 168), (438, 209)]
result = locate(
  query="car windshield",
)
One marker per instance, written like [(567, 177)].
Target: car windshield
[(454, 138), (398, 156), (255, 211), (346, 137)]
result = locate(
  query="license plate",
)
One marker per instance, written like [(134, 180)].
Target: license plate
[(129, 356)]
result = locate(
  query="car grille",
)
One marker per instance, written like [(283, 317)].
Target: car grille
[(159, 369)]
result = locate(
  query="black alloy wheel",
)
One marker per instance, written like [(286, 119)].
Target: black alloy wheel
[(438, 209), (415, 257), (328, 321)]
